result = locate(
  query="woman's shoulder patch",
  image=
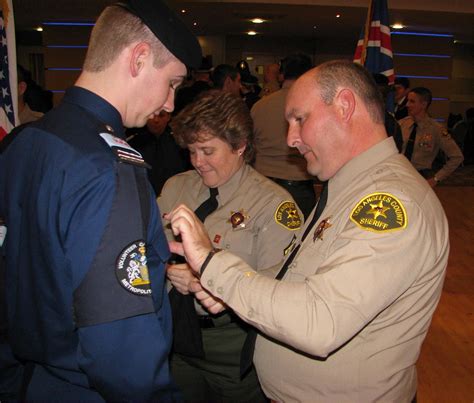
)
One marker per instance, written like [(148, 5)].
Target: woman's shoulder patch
[(287, 215), (379, 212)]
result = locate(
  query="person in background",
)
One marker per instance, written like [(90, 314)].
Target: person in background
[(250, 90), (274, 158), (200, 82), (270, 79), (245, 213), (346, 315), (391, 125), (25, 88), (402, 87), (158, 148), (226, 78), (424, 137), (87, 307)]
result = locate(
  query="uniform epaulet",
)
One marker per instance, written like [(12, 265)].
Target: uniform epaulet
[(122, 150)]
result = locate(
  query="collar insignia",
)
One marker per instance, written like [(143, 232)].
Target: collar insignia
[(238, 218), (379, 212), (322, 226)]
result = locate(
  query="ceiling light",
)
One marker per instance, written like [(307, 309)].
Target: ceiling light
[(249, 58), (183, 10), (39, 29), (397, 26), (195, 24), (338, 15), (314, 26), (257, 20), (251, 33)]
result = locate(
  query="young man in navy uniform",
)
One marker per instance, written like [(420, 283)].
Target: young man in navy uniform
[(87, 309)]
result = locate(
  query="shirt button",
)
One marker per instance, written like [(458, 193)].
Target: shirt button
[(227, 246), (210, 283), (220, 290), (250, 313)]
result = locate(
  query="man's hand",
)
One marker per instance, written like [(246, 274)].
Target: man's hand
[(212, 304), (196, 244), (181, 277)]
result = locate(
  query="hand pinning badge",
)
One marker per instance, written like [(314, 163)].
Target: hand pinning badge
[(237, 219), (322, 226)]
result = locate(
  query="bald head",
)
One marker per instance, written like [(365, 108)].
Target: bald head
[(335, 112)]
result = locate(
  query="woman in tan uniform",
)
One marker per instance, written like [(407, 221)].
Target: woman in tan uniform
[(252, 216)]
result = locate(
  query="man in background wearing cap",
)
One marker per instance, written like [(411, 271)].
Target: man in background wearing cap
[(87, 307)]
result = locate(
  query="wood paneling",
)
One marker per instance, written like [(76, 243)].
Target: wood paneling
[(446, 363)]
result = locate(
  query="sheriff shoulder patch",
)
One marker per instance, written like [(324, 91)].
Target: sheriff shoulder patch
[(379, 212), (287, 216)]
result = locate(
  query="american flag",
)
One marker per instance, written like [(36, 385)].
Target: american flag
[(374, 48), (8, 76)]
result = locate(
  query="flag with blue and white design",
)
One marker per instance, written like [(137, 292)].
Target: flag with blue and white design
[(374, 48), (8, 76)]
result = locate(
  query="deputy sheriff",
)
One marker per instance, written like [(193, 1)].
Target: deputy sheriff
[(250, 216), (424, 137), (87, 306), (359, 289)]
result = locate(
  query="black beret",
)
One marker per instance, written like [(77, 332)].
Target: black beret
[(168, 28)]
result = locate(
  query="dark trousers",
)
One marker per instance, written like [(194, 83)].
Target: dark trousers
[(216, 378)]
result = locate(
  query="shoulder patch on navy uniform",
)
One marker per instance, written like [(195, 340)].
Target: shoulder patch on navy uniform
[(132, 270), (287, 215), (379, 212), (123, 150)]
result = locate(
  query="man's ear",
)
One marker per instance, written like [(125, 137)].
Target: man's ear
[(227, 82), (345, 101), (141, 54)]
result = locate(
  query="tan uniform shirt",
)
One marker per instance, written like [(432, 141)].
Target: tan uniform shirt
[(266, 229), (430, 138), (358, 299), (273, 156)]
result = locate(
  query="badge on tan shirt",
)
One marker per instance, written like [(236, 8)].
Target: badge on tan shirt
[(379, 212), (445, 133), (322, 226), (238, 219), (287, 215)]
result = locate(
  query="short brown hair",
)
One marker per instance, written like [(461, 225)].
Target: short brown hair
[(218, 114), (115, 29), (348, 74)]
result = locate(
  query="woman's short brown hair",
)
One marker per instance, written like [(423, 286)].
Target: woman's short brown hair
[(218, 114), (115, 29)]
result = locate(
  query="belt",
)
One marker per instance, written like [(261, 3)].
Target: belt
[(306, 182), (208, 321)]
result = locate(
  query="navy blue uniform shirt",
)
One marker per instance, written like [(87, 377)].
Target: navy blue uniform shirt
[(85, 291)]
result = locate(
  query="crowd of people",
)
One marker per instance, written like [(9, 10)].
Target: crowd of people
[(161, 253)]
